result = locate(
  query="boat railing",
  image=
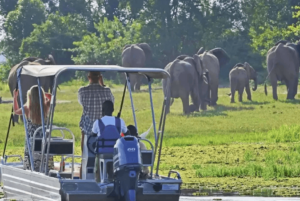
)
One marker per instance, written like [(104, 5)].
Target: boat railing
[(59, 146)]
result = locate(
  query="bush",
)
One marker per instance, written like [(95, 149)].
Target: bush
[(4, 71)]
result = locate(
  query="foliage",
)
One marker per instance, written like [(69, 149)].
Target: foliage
[(246, 29), (4, 71), (106, 46), (19, 25), (54, 37)]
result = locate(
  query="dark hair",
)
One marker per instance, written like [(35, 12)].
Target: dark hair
[(132, 130), (107, 108), (94, 76)]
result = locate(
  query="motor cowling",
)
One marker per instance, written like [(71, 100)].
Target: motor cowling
[(127, 167)]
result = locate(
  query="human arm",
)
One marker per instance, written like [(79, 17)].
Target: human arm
[(17, 110), (80, 96), (124, 128), (95, 129)]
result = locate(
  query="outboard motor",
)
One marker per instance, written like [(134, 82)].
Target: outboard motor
[(127, 167)]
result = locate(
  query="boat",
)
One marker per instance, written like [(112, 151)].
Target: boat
[(62, 183)]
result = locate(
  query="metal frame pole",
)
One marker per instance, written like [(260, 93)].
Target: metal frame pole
[(43, 123), (153, 121), (131, 100), (24, 119)]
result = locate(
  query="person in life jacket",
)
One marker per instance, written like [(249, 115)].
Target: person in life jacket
[(108, 129)]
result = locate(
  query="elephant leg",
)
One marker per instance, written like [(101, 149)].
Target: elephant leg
[(195, 102), (16, 118), (214, 95), (248, 91), (295, 86), (274, 86), (132, 81), (241, 90), (185, 104), (233, 84), (292, 90), (138, 82)]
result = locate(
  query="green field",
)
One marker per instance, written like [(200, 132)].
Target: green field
[(235, 147)]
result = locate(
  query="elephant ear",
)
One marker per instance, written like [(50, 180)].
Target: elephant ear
[(221, 55), (199, 65), (201, 50), (30, 59), (147, 50), (248, 69), (238, 65), (51, 60), (284, 42), (126, 46), (298, 48), (39, 61), (182, 57)]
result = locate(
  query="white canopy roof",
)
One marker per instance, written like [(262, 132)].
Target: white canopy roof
[(52, 70)]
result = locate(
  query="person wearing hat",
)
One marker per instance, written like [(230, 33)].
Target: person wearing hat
[(133, 132), (91, 97)]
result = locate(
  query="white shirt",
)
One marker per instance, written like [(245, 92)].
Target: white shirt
[(108, 120)]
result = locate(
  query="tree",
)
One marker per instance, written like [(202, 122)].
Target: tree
[(7, 5), (108, 46), (53, 36), (19, 25)]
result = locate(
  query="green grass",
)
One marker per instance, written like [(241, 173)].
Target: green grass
[(258, 140)]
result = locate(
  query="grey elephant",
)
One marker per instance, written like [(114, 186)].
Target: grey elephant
[(283, 65), (239, 78), (136, 55), (187, 77), (212, 61), (28, 81)]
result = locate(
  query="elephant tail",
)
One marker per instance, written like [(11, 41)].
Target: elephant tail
[(266, 91), (229, 94)]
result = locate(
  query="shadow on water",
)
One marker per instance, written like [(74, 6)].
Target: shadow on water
[(253, 191)]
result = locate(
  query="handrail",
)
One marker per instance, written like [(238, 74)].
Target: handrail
[(48, 149), (152, 147), (35, 133)]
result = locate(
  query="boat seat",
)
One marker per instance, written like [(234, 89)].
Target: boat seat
[(147, 156), (104, 159), (59, 146)]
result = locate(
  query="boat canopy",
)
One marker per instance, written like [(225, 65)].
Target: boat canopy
[(55, 70)]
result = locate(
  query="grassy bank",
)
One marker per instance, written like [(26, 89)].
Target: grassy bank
[(241, 144)]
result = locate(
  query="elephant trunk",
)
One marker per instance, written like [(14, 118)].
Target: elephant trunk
[(255, 84)]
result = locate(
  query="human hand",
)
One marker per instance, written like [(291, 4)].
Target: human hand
[(16, 93)]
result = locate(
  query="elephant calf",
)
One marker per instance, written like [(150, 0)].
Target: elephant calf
[(239, 78)]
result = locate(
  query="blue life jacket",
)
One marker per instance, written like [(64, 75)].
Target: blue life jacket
[(108, 136)]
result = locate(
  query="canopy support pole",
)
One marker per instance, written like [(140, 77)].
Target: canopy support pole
[(24, 119), (153, 121), (43, 123), (131, 100)]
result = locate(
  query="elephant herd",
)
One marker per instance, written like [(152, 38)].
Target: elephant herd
[(196, 76)]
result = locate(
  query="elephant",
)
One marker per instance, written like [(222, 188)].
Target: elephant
[(212, 61), (28, 81), (283, 64), (187, 77), (239, 78), (136, 55)]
